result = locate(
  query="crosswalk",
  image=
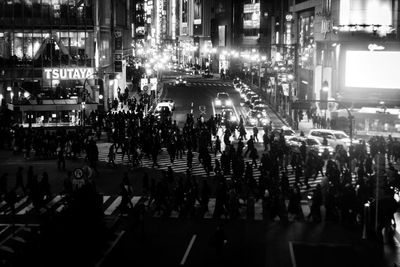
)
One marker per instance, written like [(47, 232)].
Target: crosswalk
[(180, 165), (215, 84), (111, 207)]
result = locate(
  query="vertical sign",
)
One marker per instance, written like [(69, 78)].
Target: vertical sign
[(197, 22), (118, 39), (118, 62), (221, 35)]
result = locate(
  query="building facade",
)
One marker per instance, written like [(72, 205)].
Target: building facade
[(57, 57), (347, 51)]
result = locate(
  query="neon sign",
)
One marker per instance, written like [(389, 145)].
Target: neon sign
[(67, 73)]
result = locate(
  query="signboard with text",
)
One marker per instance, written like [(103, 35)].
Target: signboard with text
[(67, 73), (153, 84)]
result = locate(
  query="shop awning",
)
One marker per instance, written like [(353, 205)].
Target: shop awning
[(51, 107)]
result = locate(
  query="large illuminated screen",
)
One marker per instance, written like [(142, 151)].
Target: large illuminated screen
[(373, 69)]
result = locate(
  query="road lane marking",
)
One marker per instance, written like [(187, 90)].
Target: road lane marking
[(188, 249), (105, 198), (292, 254), (213, 108), (111, 247), (237, 116), (113, 206)]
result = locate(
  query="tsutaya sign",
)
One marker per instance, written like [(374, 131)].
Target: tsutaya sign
[(67, 73)]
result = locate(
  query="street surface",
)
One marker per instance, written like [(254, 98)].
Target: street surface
[(178, 241)]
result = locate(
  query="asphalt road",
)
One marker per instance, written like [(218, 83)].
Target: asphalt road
[(198, 92), (189, 243)]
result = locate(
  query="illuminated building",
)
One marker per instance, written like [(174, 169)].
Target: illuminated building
[(55, 54), (351, 47), (243, 26)]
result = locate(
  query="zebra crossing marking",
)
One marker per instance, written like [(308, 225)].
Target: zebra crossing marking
[(180, 166), (203, 84), (113, 206)]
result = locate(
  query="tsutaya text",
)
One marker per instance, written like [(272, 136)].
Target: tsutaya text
[(67, 73)]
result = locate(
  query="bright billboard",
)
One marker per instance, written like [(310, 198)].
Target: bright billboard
[(373, 69)]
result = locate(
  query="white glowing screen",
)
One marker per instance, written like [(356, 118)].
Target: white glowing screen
[(366, 12), (373, 69)]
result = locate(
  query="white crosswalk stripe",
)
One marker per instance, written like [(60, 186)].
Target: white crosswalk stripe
[(180, 166), (111, 207), (219, 84)]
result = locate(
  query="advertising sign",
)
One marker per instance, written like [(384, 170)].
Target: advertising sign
[(67, 73), (143, 82), (221, 35), (372, 69)]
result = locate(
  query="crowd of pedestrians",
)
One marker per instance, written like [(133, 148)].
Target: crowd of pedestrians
[(347, 184)]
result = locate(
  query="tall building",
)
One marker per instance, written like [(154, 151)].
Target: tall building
[(241, 27), (348, 51), (57, 57)]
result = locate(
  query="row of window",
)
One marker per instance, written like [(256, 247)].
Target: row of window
[(56, 9)]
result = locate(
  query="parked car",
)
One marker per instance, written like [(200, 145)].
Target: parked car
[(257, 118)]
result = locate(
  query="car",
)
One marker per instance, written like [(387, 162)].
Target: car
[(236, 81), (333, 137), (223, 100), (162, 110), (261, 108), (189, 71), (179, 81), (207, 74), (249, 95), (312, 144), (237, 87), (168, 102), (228, 114), (257, 118), (286, 131)]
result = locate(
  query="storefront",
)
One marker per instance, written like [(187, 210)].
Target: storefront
[(52, 113)]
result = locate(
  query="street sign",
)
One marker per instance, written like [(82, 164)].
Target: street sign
[(118, 56), (118, 66), (78, 173), (153, 84)]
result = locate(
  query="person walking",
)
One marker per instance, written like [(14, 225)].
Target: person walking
[(3, 185), (219, 240), (250, 145), (217, 146), (255, 133), (19, 183), (111, 156), (60, 158), (126, 193)]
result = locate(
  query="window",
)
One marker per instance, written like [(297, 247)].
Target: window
[(340, 136), (250, 32)]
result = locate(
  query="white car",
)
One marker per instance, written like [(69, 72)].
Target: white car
[(166, 103), (312, 143), (333, 137)]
